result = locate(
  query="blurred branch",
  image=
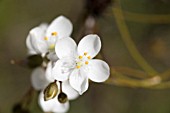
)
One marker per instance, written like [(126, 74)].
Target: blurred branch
[(27, 98), (137, 79), (166, 75), (131, 72), (119, 79), (163, 85), (24, 104), (119, 17), (148, 18)]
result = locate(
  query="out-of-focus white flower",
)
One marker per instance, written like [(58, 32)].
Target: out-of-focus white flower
[(42, 39), (40, 78), (52, 105), (76, 64)]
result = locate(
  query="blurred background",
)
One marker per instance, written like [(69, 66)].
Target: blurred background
[(148, 23)]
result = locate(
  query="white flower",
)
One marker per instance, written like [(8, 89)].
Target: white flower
[(52, 105), (40, 78), (76, 64), (42, 39)]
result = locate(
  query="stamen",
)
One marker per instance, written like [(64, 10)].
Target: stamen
[(89, 57), (86, 62), (52, 46), (45, 38), (80, 57), (78, 66), (85, 53), (54, 33)]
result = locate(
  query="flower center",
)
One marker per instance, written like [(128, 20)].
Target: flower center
[(51, 46), (54, 33), (46, 38), (82, 60), (51, 40)]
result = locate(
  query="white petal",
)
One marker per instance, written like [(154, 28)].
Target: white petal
[(31, 50), (79, 81), (62, 26), (60, 108), (38, 79), (62, 69), (52, 56), (48, 72), (66, 47), (90, 44), (52, 105), (46, 106), (37, 35), (99, 70), (71, 93)]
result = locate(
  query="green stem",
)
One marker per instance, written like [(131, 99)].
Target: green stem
[(121, 80), (128, 41), (131, 72)]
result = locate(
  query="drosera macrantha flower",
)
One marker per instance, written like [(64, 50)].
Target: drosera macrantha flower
[(42, 39), (76, 63), (52, 105), (40, 79)]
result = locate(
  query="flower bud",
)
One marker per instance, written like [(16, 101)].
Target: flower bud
[(50, 91), (34, 61), (62, 98)]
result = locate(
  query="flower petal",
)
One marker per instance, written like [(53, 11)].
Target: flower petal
[(45, 105), (38, 79), (60, 108), (62, 26), (66, 47), (37, 35), (71, 93), (31, 50), (79, 81), (90, 44), (52, 105), (62, 69), (52, 56), (48, 72), (99, 70)]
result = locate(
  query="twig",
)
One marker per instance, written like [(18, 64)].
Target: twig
[(128, 41)]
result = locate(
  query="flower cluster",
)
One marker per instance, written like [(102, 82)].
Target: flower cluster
[(67, 67)]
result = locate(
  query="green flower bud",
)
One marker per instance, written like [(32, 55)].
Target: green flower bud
[(50, 91), (62, 98)]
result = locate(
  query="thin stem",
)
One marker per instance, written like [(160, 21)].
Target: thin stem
[(131, 72), (119, 17), (163, 85), (121, 80), (148, 18), (60, 87), (27, 98), (165, 75)]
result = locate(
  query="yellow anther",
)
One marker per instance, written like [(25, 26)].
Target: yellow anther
[(45, 38), (89, 57), (78, 66), (80, 57), (52, 46), (85, 53), (54, 33), (86, 62)]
